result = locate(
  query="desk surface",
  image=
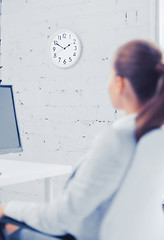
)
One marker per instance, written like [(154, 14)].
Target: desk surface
[(13, 172)]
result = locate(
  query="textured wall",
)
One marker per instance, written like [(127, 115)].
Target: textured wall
[(60, 110), (161, 20)]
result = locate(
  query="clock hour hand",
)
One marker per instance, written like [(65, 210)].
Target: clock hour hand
[(67, 46)]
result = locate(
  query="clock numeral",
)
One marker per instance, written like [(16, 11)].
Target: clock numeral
[(64, 35), (70, 36), (75, 48), (59, 59), (64, 61), (70, 59), (55, 42), (74, 41), (59, 37), (54, 48), (55, 55), (74, 54)]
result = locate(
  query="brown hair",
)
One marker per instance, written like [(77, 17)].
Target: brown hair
[(141, 63)]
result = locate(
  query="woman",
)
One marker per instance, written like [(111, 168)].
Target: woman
[(136, 86)]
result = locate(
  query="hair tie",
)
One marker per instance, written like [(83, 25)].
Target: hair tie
[(160, 86), (159, 67)]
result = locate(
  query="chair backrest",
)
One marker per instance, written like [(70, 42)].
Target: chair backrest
[(136, 213)]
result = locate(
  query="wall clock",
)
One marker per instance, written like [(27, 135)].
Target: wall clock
[(65, 48)]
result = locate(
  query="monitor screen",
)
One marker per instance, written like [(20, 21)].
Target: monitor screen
[(9, 132)]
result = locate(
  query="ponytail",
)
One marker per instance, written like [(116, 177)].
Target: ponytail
[(152, 114), (140, 62)]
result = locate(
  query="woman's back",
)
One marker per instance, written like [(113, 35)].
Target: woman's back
[(137, 210)]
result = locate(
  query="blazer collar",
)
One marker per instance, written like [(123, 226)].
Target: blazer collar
[(128, 121)]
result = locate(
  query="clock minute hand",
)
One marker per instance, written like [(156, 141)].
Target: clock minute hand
[(59, 45)]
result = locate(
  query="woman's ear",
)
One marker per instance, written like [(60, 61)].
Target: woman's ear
[(120, 84)]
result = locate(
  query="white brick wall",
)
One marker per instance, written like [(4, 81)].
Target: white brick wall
[(161, 21), (60, 110)]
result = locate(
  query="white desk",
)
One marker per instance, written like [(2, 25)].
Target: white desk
[(13, 172)]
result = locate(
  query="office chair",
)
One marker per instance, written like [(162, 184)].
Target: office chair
[(7, 220), (137, 210)]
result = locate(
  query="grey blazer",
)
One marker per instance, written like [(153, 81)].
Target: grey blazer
[(136, 213), (90, 189)]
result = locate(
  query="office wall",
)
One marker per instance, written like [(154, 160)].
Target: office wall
[(0, 33), (161, 21), (60, 110)]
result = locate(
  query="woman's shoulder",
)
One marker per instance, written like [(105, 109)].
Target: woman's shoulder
[(111, 150), (115, 136), (119, 144)]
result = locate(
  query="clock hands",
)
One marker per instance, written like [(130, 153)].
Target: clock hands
[(63, 48), (67, 46), (59, 45)]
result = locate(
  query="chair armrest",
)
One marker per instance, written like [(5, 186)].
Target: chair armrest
[(7, 220)]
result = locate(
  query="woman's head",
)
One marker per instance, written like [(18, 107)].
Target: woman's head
[(137, 80)]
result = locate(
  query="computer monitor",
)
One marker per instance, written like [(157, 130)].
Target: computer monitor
[(9, 133)]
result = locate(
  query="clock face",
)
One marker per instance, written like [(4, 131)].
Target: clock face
[(65, 48)]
